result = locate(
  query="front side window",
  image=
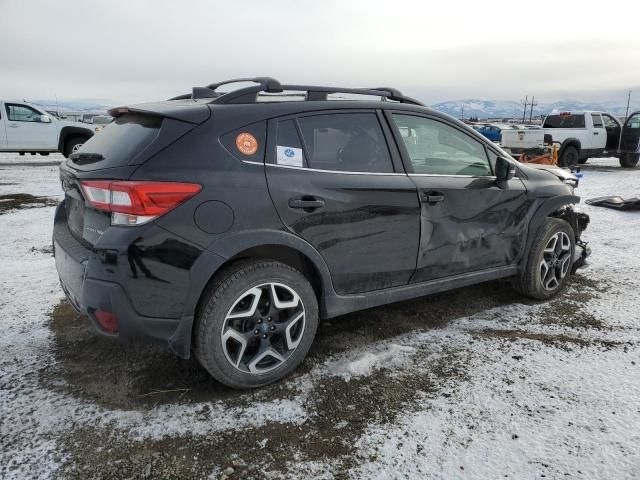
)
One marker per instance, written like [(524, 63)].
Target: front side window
[(439, 149), (609, 122), (348, 142), (22, 113), (633, 122)]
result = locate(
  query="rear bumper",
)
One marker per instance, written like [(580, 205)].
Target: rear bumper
[(89, 295)]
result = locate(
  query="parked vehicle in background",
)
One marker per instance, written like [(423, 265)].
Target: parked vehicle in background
[(28, 128), (581, 135), (492, 132), (100, 121), (225, 226)]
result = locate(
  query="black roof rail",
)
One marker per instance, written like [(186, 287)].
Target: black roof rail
[(266, 84), (271, 85)]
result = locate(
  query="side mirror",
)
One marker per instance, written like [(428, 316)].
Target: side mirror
[(505, 170), (45, 118)]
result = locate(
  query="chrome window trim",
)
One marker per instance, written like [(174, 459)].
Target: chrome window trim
[(332, 171), (450, 175), (368, 173)]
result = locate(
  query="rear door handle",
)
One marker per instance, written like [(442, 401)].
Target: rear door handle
[(432, 197), (596, 133), (308, 204)]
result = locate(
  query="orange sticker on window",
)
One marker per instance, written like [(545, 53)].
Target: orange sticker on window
[(246, 143)]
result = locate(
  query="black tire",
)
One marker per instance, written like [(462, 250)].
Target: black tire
[(582, 161), (72, 144), (530, 281), (570, 157), (629, 160), (225, 295)]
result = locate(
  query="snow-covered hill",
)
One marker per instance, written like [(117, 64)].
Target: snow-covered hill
[(506, 108)]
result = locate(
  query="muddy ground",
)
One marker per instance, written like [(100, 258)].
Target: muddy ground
[(142, 377)]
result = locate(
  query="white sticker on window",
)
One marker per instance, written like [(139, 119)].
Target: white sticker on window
[(289, 156)]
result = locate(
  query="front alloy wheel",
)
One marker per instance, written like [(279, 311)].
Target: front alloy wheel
[(555, 262), (263, 328)]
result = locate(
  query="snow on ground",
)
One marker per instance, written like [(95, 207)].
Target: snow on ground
[(516, 390)]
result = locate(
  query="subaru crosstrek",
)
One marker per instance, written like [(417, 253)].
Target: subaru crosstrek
[(229, 224)]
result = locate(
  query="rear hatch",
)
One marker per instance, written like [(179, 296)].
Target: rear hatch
[(114, 153)]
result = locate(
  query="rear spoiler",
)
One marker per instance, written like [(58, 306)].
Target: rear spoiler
[(187, 111)]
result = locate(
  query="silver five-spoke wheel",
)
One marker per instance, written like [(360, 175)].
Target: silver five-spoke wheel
[(555, 262), (263, 328)]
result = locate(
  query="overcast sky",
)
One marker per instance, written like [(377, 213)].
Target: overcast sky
[(128, 51)]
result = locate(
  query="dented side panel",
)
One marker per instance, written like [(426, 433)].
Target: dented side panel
[(477, 225)]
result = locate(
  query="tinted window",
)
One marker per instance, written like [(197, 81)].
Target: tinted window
[(120, 141), (22, 113), (436, 148), (247, 143), (564, 120), (633, 121), (597, 120), (289, 146), (351, 142)]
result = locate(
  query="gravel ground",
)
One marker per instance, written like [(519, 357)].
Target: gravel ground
[(473, 383)]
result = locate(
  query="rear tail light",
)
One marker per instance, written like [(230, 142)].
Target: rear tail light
[(134, 203)]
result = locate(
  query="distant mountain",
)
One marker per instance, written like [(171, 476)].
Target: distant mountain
[(512, 109), (86, 106)]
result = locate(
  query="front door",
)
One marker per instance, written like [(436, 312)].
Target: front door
[(336, 183), (25, 130), (630, 142), (468, 222)]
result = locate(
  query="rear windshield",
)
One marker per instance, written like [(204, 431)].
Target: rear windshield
[(120, 141), (564, 120)]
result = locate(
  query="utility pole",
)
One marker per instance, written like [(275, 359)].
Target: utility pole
[(533, 104), (524, 102), (462, 113), (626, 115)]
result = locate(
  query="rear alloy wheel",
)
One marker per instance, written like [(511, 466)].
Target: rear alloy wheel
[(569, 158), (549, 262), (257, 325)]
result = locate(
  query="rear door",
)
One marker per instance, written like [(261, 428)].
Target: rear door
[(469, 222), (25, 130), (336, 183)]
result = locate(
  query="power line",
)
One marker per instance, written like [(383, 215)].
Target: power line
[(533, 104)]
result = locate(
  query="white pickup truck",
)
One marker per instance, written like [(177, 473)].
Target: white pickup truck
[(581, 135), (28, 128)]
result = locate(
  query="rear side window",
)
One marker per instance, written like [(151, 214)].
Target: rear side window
[(348, 142), (597, 120), (120, 141), (564, 120)]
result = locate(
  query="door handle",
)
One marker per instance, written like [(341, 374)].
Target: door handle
[(308, 204), (432, 197), (596, 133), (13, 125)]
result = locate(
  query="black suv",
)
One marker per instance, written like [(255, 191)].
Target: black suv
[(228, 224)]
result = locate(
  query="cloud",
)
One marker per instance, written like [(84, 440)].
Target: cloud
[(126, 51)]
